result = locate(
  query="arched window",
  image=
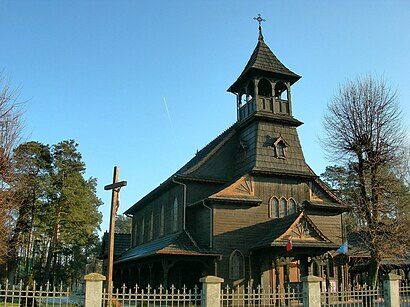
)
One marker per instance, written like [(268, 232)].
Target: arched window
[(236, 265), (282, 207), (281, 91), (291, 206), (175, 215), (264, 88), (274, 208)]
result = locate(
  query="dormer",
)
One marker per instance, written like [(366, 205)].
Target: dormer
[(264, 85)]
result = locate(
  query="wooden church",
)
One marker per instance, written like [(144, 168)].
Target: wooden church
[(247, 207)]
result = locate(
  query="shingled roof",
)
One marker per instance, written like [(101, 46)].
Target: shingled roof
[(207, 151), (279, 230), (179, 243), (263, 61), (122, 242)]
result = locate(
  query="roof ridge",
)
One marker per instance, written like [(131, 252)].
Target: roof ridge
[(207, 151)]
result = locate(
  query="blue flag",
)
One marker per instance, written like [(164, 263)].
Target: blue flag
[(343, 248)]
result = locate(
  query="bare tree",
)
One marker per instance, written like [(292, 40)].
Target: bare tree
[(10, 134), (364, 130)]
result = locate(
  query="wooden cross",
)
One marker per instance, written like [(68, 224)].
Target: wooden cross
[(115, 204)]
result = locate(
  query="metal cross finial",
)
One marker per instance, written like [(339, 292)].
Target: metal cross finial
[(259, 19)]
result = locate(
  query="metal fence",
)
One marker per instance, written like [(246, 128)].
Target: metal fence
[(126, 297), (34, 295), (360, 296), (248, 296), (404, 293)]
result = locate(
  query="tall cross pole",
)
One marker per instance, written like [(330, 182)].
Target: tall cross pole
[(115, 204)]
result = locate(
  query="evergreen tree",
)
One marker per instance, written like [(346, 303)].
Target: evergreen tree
[(56, 218), (72, 210), (32, 164)]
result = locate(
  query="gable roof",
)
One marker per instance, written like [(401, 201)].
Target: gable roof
[(327, 189), (240, 191), (281, 230), (188, 172), (196, 162), (263, 60)]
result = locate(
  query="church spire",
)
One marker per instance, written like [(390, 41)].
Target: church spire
[(264, 85)]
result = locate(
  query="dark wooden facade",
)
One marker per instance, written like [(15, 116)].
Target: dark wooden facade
[(233, 208)]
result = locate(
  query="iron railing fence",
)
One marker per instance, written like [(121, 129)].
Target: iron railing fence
[(144, 297), (404, 293), (357, 296), (35, 295), (248, 296)]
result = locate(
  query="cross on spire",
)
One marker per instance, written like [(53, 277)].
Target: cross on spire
[(259, 19)]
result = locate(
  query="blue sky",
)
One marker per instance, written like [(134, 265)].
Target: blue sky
[(99, 72)]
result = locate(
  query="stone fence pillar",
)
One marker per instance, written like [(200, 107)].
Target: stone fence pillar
[(391, 290), (93, 289), (211, 291), (311, 291)]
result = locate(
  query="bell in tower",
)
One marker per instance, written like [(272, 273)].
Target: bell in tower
[(263, 87)]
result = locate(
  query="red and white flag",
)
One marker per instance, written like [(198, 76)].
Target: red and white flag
[(289, 245)]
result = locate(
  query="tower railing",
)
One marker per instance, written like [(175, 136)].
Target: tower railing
[(264, 104)]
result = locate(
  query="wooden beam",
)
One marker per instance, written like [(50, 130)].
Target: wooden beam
[(115, 185)]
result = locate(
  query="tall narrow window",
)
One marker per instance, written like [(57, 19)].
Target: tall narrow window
[(175, 215), (280, 150), (291, 206), (282, 207), (162, 221), (331, 266), (236, 265), (135, 230), (142, 230), (274, 208), (151, 226)]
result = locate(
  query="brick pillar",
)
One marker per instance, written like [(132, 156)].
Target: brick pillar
[(211, 291), (311, 291), (391, 290), (93, 289)]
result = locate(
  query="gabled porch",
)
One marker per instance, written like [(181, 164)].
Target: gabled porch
[(293, 248)]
